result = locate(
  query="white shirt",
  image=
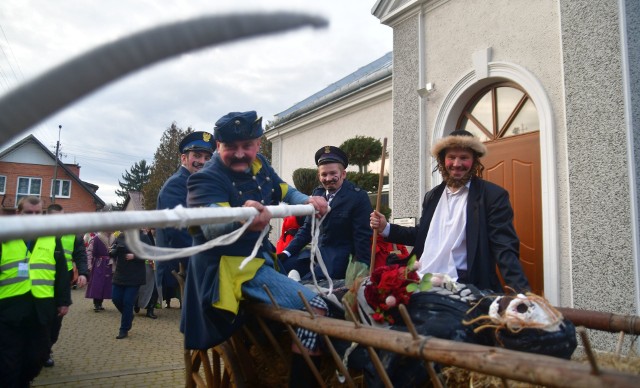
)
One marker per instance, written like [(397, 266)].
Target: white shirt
[(445, 247)]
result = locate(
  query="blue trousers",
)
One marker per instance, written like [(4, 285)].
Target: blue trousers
[(124, 298)]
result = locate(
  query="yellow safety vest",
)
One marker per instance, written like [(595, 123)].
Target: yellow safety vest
[(39, 263), (68, 243)]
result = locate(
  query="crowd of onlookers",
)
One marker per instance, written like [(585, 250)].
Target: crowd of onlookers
[(36, 278)]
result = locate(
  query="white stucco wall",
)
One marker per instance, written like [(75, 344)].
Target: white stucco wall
[(373, 120)]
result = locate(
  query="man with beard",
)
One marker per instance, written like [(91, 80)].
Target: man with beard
[(195, 149), (466, 226), (345, 232)]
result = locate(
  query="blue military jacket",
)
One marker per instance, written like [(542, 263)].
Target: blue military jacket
[(204, 326), (344, 232), (172, 194)]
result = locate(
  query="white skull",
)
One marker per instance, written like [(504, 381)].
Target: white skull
[(524, 312)]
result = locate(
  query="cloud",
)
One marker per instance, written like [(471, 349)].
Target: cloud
[(115, 127)]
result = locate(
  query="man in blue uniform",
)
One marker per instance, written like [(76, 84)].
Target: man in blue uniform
[(238, 176), (195, 149), (345, 232)]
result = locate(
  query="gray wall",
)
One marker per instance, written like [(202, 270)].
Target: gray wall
[(600, 211), (405, 201)]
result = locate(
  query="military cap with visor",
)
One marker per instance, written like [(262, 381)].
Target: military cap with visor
[(197, 141), (331, 154), (236, 126)]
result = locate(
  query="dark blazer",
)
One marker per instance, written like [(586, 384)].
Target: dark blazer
[(128, 273), (490, 235), (345, 231)]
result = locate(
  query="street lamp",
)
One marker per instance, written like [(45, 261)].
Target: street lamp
[(55, 169)]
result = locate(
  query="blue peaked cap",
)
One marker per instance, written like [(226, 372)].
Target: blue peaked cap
[(236, 126), (197, 141)]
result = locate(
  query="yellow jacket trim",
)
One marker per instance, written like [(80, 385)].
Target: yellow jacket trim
[(230, 281), (284, 188), (256, 166)]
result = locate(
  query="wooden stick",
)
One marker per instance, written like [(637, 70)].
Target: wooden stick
[(327, 343), (587, 349), (378, 199), (614, 323), (303, 351), (619, 345)]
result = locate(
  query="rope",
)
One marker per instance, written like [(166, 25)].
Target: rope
[(146, 251), (315, 249)]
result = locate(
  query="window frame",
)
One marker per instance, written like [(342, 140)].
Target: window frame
[(60, 187), (3, 187), (19, 195), (495, 132)]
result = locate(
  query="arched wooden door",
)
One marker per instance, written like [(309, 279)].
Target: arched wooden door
[(505, 119)]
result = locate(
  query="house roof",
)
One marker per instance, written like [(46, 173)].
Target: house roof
[(136, 199), (89, 187), (365, 76)]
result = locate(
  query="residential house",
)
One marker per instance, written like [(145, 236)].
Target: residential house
[(553, 88), (28, 168), (134, 201)]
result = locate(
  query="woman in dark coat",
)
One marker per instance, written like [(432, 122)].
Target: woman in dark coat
[(129, 275)]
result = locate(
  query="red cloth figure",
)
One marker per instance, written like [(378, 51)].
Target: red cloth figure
[(384, 249), (290, 226)]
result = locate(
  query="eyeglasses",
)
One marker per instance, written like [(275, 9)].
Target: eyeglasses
[(31, 212)]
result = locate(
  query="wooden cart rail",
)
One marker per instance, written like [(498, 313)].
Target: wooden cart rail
[(503, 363), (525, 367), (613, 323)]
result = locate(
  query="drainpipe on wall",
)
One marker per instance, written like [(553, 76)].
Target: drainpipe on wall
[(422, 113)]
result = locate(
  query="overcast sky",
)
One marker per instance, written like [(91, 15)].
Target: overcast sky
[(121, 124)]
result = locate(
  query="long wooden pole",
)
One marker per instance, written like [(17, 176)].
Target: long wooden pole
[(597, 320), (509, 364), (378, 199)]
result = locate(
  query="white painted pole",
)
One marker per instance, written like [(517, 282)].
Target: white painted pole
[(25, 227)]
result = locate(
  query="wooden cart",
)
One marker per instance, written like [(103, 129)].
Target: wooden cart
[(258, 356)]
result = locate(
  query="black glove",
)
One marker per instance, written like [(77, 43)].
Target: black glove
[(394, 259), (282, 256)]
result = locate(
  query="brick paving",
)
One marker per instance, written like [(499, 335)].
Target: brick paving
[(88, 354)]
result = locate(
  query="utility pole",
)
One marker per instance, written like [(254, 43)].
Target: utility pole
[(55, 169)]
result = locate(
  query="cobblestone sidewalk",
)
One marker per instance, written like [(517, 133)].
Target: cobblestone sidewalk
[(88, 354)]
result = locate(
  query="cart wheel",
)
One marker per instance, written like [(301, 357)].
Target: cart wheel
[(226, 367)]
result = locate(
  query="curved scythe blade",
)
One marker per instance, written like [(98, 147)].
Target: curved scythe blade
[(34, 101)]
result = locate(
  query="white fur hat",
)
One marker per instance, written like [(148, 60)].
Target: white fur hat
[(460, 139)]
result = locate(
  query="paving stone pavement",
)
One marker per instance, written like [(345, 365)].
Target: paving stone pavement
[(88, 354)]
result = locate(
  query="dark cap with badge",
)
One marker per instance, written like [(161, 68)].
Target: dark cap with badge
[(236, 126), (197, 141), (331, 154)]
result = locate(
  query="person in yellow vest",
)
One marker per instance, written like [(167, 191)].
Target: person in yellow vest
[(75, 255), (34, 285)]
